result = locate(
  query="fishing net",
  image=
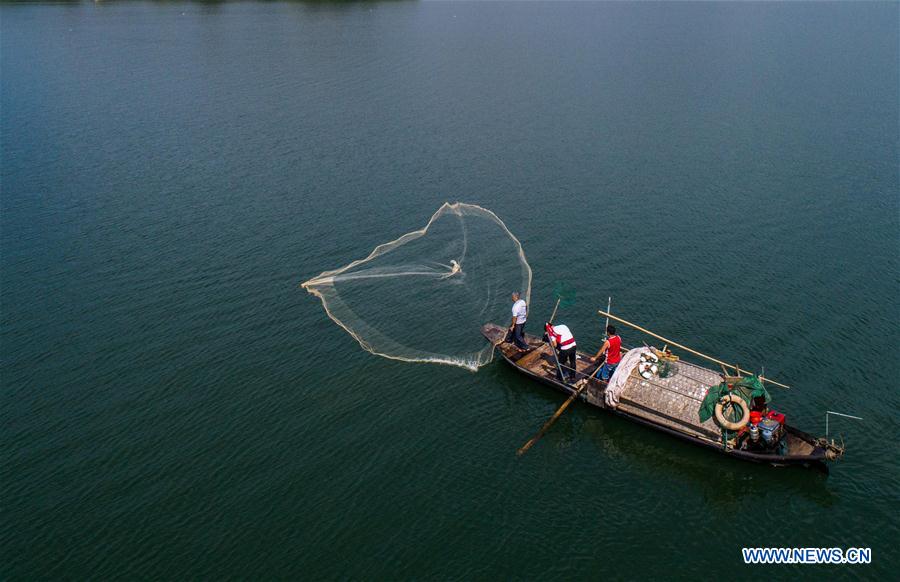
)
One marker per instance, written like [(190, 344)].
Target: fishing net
[(424, 296)]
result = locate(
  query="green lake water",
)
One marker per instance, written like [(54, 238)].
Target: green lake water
[(174, 406)]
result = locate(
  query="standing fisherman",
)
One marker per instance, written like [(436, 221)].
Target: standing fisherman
[(517, 325), (613, 348)]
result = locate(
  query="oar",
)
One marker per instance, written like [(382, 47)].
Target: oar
[(695, 352), (550, 422)]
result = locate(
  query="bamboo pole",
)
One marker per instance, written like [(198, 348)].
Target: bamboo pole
[(608, 309), (565, 404), (549, 423), (596, 373), (695, 352), (552, 347), (558, 299)]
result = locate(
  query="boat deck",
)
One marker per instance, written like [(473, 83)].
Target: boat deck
[(539, 359), (671, 401)]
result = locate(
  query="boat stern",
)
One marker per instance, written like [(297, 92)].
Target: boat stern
[(833, 451)]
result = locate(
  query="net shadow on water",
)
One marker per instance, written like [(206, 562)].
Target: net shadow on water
[(424, 296)]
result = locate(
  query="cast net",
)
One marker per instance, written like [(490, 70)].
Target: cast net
[(424, 296)]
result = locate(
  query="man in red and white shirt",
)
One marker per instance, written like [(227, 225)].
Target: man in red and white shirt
[(562, 339)]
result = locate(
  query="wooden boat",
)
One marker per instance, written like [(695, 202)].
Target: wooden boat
[(668, 404)]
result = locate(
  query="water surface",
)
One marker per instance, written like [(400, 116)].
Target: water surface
[(175, 406)]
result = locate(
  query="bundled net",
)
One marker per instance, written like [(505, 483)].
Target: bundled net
[(424, 296)]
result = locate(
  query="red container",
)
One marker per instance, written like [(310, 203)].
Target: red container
[(774, 416), (755, 416)]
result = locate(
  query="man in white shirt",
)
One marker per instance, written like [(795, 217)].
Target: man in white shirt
[(517, 324)]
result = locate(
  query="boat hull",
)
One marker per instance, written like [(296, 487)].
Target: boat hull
[(523, 362)]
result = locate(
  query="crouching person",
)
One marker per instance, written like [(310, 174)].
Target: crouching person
[(563, 342)]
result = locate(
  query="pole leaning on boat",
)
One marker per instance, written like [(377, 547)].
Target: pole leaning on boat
[(524, 448), (608, 309), (683, 347), (552, 349)]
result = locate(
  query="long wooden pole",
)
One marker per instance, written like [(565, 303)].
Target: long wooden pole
[(552, 347), (552, 315), (608, 309), (562, 408), (596, 373), (549, 423), (695, 352)]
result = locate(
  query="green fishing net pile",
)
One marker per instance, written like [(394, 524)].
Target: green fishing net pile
[(748, 388)]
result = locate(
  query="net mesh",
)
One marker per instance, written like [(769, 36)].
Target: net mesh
[(424, 296)]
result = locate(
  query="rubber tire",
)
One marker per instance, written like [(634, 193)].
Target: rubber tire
[(720, 416)]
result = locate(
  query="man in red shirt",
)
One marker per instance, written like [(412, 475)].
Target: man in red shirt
[(613, 349)]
